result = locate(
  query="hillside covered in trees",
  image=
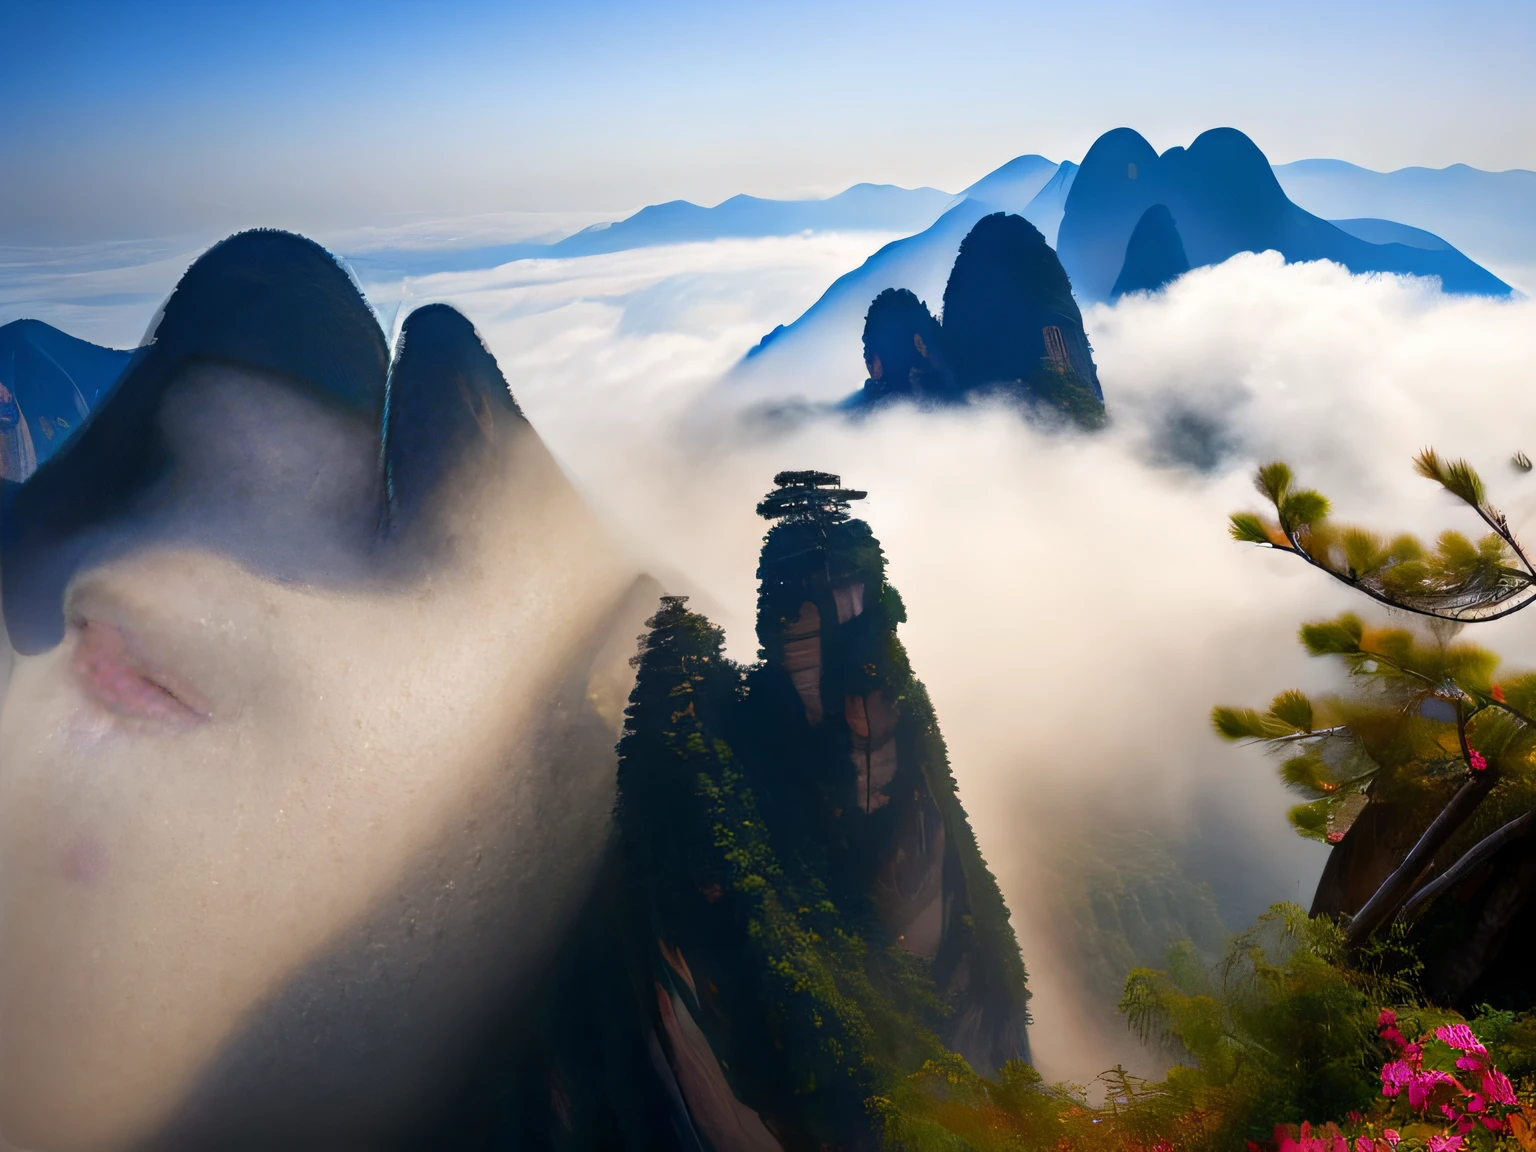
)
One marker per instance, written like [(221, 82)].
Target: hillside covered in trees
[(823, 921)]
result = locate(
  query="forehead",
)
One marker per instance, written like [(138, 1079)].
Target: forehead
[(263, 469)]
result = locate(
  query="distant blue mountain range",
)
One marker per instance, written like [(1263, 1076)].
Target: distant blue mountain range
[(1220, 194), (864, 207), (1219, 197), (1489, 215)]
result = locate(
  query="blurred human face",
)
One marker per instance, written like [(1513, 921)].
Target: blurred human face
[(274, 765)]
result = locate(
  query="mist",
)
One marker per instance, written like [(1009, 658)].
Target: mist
[(1075, 605)]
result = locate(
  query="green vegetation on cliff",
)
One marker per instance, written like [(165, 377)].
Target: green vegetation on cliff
[(794, 841)]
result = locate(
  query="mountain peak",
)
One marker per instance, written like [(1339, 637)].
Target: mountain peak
[(1226, 199)]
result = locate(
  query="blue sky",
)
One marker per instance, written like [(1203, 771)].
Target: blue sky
[(143, 118)]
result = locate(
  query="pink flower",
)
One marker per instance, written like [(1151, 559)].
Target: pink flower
[(1422, 1085), (1387, 1019), (1444, 1143), (1395, 1076), (1364, 1144), (1391, 1136), (1475, 758), (1496, 1087), (1459, 1036)]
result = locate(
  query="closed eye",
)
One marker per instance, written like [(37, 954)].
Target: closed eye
[(118, 679)]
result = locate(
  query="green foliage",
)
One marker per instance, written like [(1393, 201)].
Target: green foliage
[(1248, 529), (1065, 396), (1510, 1037), (1457, 579), (1456, 476), (1395, 733), (811, 1015), (1281, 1028)]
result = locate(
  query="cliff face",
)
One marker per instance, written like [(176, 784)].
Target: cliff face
[(1224, 195), (903, 351), (821, 917), (1011, 328), (1010, 318)]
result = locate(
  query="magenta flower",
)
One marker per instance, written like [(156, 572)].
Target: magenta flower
[(1496, 1087), (1395, 1076), (1475, 758), (1444, 1143), (1364, 1144), (1391, 1136), (1459, 1036), (1423, 1084)]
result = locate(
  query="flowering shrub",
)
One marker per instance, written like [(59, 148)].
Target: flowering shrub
[(1467, 1101), (1441, 1093)]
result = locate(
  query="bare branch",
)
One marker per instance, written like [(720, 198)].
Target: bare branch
[(1479, 852)]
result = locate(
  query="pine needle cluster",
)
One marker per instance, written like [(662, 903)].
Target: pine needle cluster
[(1405, 731), (1458, 579)]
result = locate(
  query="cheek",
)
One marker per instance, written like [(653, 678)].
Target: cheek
[(156, 886), (85, 861)]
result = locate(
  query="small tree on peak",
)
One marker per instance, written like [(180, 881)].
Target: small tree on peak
[(808, 497)]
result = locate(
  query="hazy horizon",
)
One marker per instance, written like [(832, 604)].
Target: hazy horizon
[(160, 118)]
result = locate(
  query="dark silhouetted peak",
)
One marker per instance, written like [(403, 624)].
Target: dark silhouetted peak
[(280, 303), (1230, 160), (903, 349), (266, 300), (1154, 256), (447, 400), (1224, 195), (1010, 319)]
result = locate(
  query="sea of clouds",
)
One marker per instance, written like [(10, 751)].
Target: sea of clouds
[(1075, 605)]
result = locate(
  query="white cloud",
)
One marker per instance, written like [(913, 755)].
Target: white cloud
[(1076, 607)]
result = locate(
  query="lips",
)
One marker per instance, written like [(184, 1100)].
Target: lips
[(121, 681)]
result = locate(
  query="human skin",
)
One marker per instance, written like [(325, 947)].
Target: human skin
[(274, 767)]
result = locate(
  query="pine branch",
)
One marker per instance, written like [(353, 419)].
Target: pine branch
[(1459, 582)]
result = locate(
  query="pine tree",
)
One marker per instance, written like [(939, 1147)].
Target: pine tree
[(1424, 771)]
